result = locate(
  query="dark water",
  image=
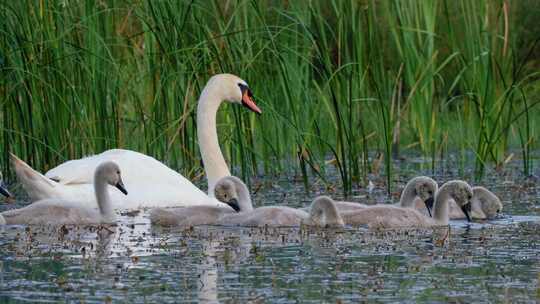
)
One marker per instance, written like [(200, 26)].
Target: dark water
[(492, 261)]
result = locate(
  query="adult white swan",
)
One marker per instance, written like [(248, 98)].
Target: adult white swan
[(153, 183)]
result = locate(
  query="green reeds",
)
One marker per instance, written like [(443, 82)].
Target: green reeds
[(338, 82)]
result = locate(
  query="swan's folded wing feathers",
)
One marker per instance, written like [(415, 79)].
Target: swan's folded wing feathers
[(68, 176), (77, 171), (24, 171)]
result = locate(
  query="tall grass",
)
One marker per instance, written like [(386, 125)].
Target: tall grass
[(338, 81)]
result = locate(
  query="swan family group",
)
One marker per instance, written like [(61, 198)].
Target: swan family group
[(77, 191)]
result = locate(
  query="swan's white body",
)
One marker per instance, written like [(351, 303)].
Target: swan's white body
[(153, 184), (59, 212), (398, 217), (172, 191)]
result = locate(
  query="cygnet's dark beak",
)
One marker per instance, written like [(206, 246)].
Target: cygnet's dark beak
[(467, 210), (233, 203), (121, 187), (429, 205), (4, 191)]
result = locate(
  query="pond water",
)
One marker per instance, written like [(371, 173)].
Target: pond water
[(492, 261)]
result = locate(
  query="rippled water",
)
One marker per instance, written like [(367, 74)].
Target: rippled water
[(481, 262)]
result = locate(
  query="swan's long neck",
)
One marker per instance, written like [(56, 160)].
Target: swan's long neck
[(440, 208), (408, 195), (103, 199), (213, 160), (244, 198)]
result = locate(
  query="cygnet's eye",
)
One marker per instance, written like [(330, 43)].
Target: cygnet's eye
[(118, 172), (430, 192), (469, 197)]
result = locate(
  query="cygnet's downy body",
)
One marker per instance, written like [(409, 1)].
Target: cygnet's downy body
[(203, 215), (323, 212), (397, 217), (419, 193), (61, 212), (233, 192)]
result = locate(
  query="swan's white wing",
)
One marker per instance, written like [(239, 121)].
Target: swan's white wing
[(149, 182), (136, 168), (81, 171)]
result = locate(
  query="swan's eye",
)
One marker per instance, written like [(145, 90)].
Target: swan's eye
[(245, 89), (118, 172), (469, 197)]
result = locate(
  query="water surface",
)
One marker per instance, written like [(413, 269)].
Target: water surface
[(492, 261)]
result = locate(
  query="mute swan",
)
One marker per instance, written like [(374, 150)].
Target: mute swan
[(484, 205), (418, 193), (168, 188), (232, 191), (395, 217), (203, 215), (58, 212), (323, 212)]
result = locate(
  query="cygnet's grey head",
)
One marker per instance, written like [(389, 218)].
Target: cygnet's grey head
[(462, 194), (110, 172), (3, 189), (233, 192), (323, 213), (490, 204), (425, 188)]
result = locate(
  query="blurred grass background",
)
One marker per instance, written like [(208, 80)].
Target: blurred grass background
[(340, 83)]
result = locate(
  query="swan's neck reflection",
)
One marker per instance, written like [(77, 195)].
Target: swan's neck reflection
[(207, 282)]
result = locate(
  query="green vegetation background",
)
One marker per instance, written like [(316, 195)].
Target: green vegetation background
[(338, 81)]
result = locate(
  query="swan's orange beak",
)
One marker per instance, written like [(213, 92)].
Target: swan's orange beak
[(247, 101)]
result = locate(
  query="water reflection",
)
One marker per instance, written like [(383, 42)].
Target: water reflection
[(208, 274)]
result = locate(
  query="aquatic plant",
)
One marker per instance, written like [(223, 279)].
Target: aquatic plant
[(338, 82)]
